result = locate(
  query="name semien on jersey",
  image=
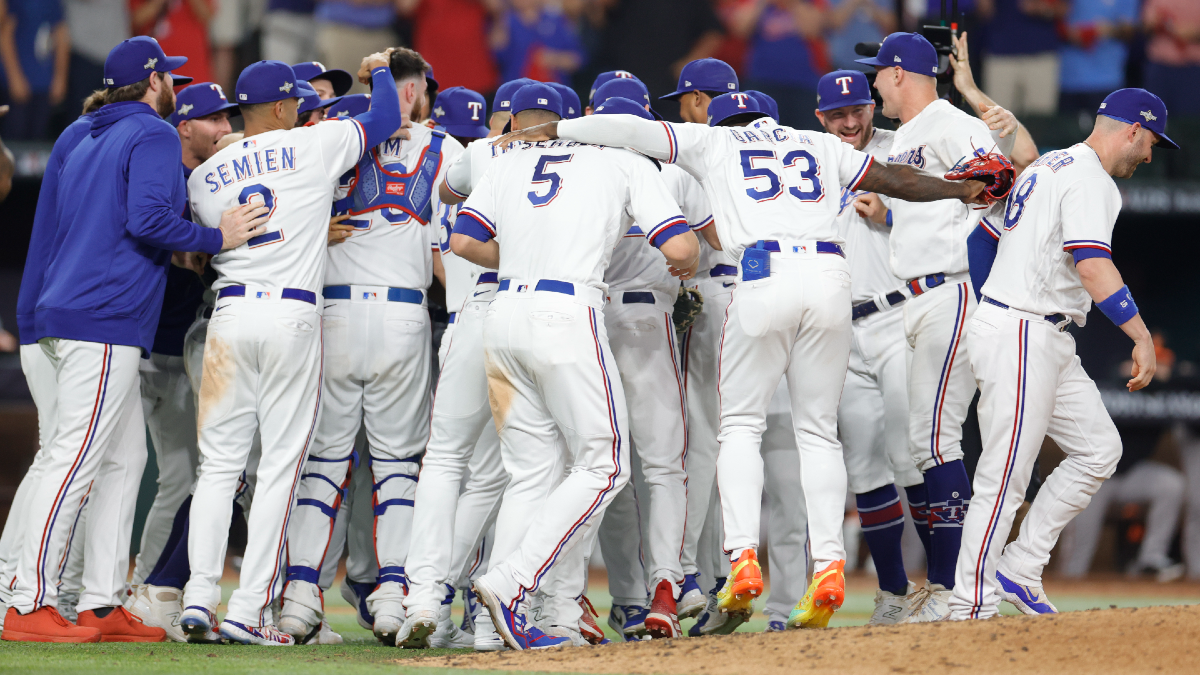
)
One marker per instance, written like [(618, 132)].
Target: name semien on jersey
[(250, 165)]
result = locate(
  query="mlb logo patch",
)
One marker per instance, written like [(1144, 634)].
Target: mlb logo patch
[(263, 295), (369, 295), (249, 144), (521, 288), (395, 189), (800, 249)]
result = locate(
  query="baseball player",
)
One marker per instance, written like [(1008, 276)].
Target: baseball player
[(773, 327), (375, 293), (327, 82), (928, 250), (547, 354), (1053, 260), (262, 357)]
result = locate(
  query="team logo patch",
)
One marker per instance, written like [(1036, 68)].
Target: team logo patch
[(185, 109), (150, 64), (1148, 115), (439, 111), (896, 58), (286, 87)]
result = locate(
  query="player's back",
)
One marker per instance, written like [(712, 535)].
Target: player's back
[(1062, 202), (294, 172)]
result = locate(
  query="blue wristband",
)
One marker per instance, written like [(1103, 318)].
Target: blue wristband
[(1119, 307)]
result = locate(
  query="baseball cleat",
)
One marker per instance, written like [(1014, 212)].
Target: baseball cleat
[(450, 636), (486, 637), (712, 621), (417, 627), (44, 624), (934, 604), (325, 636), (570, 632), (824, 596), (691, 598), (775, 626), (160, 607), (661, 621), (470, 611), (200, 625), (118, 625), (512, 626), (1030, 600), (628, 621), (302, 611), (743, 584), (264, 636), (891, 609), (355, 593), (588, 628)]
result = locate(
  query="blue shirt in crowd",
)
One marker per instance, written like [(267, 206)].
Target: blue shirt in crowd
[(777, 41), (551, 30), (1011, 32), (1101, 68), (33, 36), (355, 14), (859, 28)]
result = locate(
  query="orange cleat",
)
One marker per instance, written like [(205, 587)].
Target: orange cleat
[(825, 596), (742, 586), (121, 626), (44, 624)]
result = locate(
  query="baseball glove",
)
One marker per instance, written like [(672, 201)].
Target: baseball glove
[(688, 304), (993, 169)]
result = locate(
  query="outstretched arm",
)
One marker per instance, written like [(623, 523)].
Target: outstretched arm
[(619, 131), (904, 182)]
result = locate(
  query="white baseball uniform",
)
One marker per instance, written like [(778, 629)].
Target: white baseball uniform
[(786, 519), (262, 356), (549, 366), (768, 183), (1031, 381), (873, 414)]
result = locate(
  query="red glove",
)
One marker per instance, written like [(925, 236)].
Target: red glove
[(993, 169)]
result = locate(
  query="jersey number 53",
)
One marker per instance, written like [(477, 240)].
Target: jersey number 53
[(761, 164)]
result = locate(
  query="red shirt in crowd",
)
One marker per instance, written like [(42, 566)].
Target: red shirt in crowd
[(180, 32), (452, 35)]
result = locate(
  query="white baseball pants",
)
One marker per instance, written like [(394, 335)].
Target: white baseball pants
[(642, 338), (98, 442), (168, 404), (262, 372), (551, 374), (1032, 386), (795, 323), (940, 385), (622, 535), (458, 438), (377, 372), (873, 415), (700, 352), (787, 555), (193, 355)]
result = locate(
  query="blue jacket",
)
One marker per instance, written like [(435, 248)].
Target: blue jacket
[(120, 196), (183, 295), (44, 225)]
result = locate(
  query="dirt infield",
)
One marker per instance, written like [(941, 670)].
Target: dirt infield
[(1125, 641)]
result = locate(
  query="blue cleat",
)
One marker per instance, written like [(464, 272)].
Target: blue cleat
[(628, 621), (512, 626), (355, 593), (691, 598), (776, 627), (1030, 600), (200, 625)]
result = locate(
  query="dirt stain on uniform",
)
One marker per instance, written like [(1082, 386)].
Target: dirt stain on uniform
[(500, 392), (218, 374)]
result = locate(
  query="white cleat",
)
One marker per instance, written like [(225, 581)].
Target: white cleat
[(891, 609), (570, 632), (934, 604), (326, 636), (302, 612), (415, 631), (448, 635), (264, 636), (486, 637), (160, 607), (389, 619)]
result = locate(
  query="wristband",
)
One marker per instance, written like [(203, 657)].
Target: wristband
[(1119, 307), (888, 218)]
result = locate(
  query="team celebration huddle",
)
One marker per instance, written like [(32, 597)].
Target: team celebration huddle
[(634, 304)]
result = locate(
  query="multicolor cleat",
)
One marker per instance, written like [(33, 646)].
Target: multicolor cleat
[(742, 586), (1030, 600), (824, 596)]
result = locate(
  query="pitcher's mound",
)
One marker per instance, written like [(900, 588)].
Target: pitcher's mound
[(1123, 641)]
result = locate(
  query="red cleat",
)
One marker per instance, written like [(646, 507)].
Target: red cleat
[(662, 622), (121, 626), (588, 628), (44, 624)]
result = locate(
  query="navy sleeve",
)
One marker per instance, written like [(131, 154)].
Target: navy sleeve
[(981, 253), (154, 183), (383, 119)]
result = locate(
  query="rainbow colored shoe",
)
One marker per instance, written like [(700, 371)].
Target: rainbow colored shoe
[(825, 596), (743, 585)]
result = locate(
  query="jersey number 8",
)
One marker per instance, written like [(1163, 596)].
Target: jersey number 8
[(1016, 202), (809, 188)]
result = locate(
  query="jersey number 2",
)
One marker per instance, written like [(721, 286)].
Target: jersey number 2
[(542, 175), (809, 189), (261, 193)]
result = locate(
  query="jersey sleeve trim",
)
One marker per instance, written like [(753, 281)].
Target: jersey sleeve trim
[(672, 143), (862, 172), (362, 137), (990, 228), (1080, 254), (483, 221), (456, 193), (702, 224), (673, 222), (468, 224), (1087, 243)]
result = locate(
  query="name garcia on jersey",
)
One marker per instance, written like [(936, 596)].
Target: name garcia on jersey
[(250, 165)]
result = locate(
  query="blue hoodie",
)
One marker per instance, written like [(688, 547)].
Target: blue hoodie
[(120, 196), (44, 225)]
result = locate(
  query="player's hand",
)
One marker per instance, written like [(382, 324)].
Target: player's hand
[(541, 132), (403, 132), (871, 207), (376, 60), (190, 260), (687, 272), (998, 118), (240, 223), (339, 231), (964, 80), (1144, 364), (229, 139), (976, 194)]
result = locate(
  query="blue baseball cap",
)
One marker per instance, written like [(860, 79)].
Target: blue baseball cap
[(910, 51), (765, 103), (309, 98), (266, 82), (843, 88), (431, 84), (353, 105), (705, 75), (200, 100), (315, 70), (461, 112), (134, 59), (604, 78), (728, 105), (634, 90), (502, 102), (570, 100), (618, 105), (537, 96), (1138, 106)]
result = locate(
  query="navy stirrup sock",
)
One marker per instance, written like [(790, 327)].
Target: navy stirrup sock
[(882, 518), (949, 492)]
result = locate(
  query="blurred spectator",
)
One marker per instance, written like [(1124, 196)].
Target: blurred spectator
[(290, 31), (786, 55), (452, 35), (181, 27), (348, 30), (8, 166), (1021, 62), (654, 39), (232, 25), (36, 50), (852, 21), (532, 40), (1093, 60), (1173, 53), (96, 26), (1188, 437)]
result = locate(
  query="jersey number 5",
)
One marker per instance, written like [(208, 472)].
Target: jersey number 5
[(261, 193), (541, 175), (1015, 208), (809, 188)]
